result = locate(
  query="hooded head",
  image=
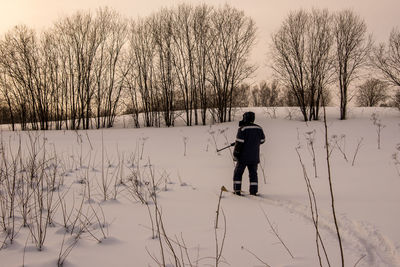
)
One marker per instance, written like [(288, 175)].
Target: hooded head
[(248, 118)]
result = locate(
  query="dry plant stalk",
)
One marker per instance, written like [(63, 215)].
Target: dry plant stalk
[(227, 142), (212, 134), (66, 215), (310, 137), (359, 260), (40, 216), (356, 151), (396, 159), (263, 169), (165, 243), (176, 248), (8, 189), (143, 141), (252, 253), (379, 126), (314, 213), (185, 140), (66, 250), (223, 189), (219, 247), (276, 233), (340, 143), (331, 189)]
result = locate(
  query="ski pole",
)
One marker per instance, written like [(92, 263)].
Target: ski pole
[(218, 150)]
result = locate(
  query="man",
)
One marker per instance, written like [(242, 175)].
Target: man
[(247, 152)]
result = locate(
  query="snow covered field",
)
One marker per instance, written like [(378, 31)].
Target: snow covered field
[(189, 174)]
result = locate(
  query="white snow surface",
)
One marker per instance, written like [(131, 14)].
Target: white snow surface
[(367, 195)]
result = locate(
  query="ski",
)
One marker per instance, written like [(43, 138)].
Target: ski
[(242, 193)]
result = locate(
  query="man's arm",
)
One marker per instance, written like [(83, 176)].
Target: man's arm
[(262, 137), (238, 144)]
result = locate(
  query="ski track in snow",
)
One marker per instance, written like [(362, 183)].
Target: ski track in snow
[(361, 237)]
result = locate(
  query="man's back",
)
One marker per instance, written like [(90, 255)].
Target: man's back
[(250, 136)]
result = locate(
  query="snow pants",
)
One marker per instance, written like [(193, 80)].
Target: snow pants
[(237, 177)]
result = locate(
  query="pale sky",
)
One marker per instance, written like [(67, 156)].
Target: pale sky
[(380, 15)]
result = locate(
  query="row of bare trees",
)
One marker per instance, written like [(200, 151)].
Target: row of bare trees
[(69, 74), (78, 73), (386, 59), (87, 68), (189, 58), (314, 50)]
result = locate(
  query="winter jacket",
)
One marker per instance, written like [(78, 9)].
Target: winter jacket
[(247, 146)]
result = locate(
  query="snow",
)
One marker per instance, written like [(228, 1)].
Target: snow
[(366, 195)]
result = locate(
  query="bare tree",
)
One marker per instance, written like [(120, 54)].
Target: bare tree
[(8, 98), (110, 68), (183, 39), (318, 60), (80, 40), (371, 93), (301, 58), (386, 58), (22, 62), (202, 43), (233, 35), (52, 77), (66, 95), (352, 49), (142, 50), (162, 29), (132, 93), (288, 55)]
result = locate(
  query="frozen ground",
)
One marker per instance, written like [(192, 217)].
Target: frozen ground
[(367, 195)]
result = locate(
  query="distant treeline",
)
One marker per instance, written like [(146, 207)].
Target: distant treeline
[(86, 68), (187, 61)]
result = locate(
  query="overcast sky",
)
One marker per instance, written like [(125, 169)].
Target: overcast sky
[(380, 15)]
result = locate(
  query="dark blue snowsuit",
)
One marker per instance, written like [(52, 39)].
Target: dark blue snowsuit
[(247, 152)]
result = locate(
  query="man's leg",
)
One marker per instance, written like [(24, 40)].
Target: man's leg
[(237, 177), (253, 178)]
